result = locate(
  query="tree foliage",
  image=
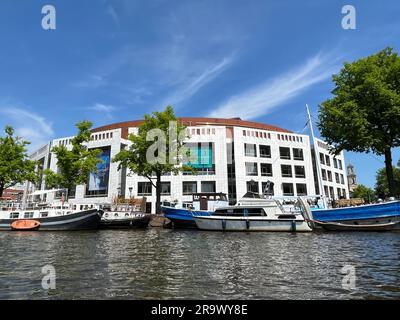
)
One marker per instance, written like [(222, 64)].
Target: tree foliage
[(364, 114), (382, 186), (15, 165), (364, 192), (75, 165), (155, 128)]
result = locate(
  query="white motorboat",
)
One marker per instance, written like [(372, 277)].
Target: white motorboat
[(258, 214)]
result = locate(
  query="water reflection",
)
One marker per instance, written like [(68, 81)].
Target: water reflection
[(166, 264)]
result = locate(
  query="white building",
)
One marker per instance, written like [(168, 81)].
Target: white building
[(239, 156)]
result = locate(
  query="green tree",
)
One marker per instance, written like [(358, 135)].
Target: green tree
[(155, 150), (364, 192), (364, 114), (15, 165), (382, 186), (75, 165)]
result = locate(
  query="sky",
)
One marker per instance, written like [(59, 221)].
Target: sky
[(116, 60)]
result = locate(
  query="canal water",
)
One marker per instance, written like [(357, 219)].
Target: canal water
[(172, 264)]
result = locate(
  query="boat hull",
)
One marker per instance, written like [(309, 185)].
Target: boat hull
[(128, 223), (251, 224), (84, 220), (183, 218), (346, 226)]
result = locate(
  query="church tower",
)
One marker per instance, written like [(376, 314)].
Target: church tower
[(351, 178)]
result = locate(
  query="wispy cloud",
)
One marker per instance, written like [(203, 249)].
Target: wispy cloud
[(111, 11), (28, 125), (262, 99), (104, 109), (195, 83)]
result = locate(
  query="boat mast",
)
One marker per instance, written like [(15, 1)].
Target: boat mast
[(318, 167)]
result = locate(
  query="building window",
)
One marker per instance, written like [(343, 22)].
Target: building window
[(301, 189), (166, 188), (250, 150), (267, 188), (331, 193), (340, 164), (298, 154), (344, 193), (265, 151), (328, 160), (299, 171), (335, 165), (252, 186), (321, 158), (337, 178), (144, 188), (323, 174), (244, 133), (287, 189), (251, 169), (329, 176), (326, 191), (266, 169), (341, 179), (286, 171), (284, 153), (208, 186), (189, 187), (339, 193)]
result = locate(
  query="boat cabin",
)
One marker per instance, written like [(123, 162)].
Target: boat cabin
[(207, 201)]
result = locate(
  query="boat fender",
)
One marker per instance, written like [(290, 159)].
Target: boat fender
[(223, 225), (293, 225), (247, 224)]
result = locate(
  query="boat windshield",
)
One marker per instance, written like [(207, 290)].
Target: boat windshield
[(242, 211)]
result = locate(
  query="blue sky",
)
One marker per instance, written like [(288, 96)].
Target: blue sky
[(114, 60)]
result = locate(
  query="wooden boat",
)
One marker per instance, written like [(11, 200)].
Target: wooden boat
[(340, 226), (25, 225)]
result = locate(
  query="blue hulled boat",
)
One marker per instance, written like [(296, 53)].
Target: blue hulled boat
[(202, 204), (371, 217)]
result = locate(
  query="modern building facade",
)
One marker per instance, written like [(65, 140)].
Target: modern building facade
[(235, 156)]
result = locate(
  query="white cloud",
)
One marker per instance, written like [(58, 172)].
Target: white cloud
[(111, 11), (195, 83), (262, 99), (28, 125), (103, 109)]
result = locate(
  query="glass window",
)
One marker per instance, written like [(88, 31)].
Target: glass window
[(250, 150), (265, 151), (301, 189), (335, 164), (328, 160), (286, 171), (298, 154), (299, 171), (337, 177), (189, 187), (323, 174), (266, 169), (284, 153), (208, 186), (287, 189), (268, 188), (340, 164), (321, 158), (166, 188), (251, 169), (144, 188), (252, 186), (341, 179), (329, 175)]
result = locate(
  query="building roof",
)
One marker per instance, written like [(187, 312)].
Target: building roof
[(194, 121)]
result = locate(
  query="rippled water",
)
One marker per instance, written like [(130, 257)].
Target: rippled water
[(164, 264)]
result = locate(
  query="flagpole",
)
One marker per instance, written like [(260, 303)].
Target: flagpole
[(317, 163)]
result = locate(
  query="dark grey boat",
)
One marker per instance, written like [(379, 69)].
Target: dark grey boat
[(342, 226)]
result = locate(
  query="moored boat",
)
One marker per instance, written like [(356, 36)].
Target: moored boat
[(264, 215), (202, 204), (55, 217), (125, 220)]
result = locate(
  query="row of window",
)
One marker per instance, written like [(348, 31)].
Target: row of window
[(285, 137), (202, 131), (327, 176), (266, 170), (188, 187), (340, 193), (250, 150), (287, 188), (326, 160), (256, 134), (102, 136)]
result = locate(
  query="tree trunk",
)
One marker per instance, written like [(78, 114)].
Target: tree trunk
[(1, 189), (158, 194), (389, 172)]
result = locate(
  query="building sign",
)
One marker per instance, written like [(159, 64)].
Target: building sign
[(99, 181)]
